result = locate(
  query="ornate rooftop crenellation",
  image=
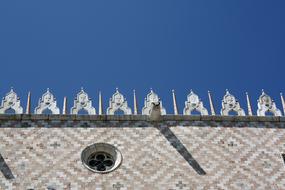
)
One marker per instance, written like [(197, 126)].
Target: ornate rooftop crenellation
[(47, 104)]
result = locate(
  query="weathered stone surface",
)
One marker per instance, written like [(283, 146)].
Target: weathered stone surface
[(211, 152)]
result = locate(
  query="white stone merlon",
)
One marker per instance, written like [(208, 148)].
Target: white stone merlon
[(118, 102), (266, 104), (152, 98), (194, 103), (11, 101), (47, 102), (82, 102), (230, 103)]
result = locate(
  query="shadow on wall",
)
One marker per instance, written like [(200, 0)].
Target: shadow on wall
[(176, 143), (4, 168)]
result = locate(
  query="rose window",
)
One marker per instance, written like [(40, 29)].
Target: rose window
[(101, 157), (100, 161)]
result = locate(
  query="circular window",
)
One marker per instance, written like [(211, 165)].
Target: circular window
[(101, 157)]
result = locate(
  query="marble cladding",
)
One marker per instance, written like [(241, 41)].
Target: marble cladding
[(177, 152)]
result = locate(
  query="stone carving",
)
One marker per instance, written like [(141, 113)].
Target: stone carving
[(82, 101), (194, 103), (118, 102), (230, 103), (11, 104), (11, 101), (155, 112), (47, 101), (266, 104), (152, 98)]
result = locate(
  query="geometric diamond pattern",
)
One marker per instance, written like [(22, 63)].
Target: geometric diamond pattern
[(235, 155)]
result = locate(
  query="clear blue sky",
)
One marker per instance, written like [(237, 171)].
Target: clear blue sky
[(164, 44)]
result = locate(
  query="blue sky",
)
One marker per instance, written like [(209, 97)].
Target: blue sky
[(164, 44)]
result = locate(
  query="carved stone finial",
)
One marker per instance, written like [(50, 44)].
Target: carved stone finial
[(248, 104), (230, 103), (100, 104), (194, 103), (47, 102), (266, 104), (11, 101), (82, 101), (152, 98), (135, 103), (211, 104), (64, 109), (283, 103), (175, 108), (28, 108), (118, 102)]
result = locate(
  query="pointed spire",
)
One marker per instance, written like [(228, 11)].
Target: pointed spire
[(100, 104), (135, 104), (211, 104), (227, 91), (28, 108), (283, 103), (248, 105), (175, 108), (64, 109)]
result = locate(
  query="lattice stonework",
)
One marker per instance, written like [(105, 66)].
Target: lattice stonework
[(11, 101), (118, 102), (82, 101), (194, 103), (47, 102), (266, 104), (230, 103), (152, 98)]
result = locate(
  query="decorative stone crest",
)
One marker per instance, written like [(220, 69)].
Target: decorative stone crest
[(266, 104), (11, 101), (82, 101), (47, 101), (194, 103), (118, 102), (230, 103), (150, 100)]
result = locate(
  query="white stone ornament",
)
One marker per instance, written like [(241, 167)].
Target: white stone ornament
[(230, 103), (194, 103), (118, 102), (47, 101), (11, 101), (152, 98), (82, 101), (266, 104)]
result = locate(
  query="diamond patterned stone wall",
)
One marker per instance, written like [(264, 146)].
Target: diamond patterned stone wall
[(45, 154)]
